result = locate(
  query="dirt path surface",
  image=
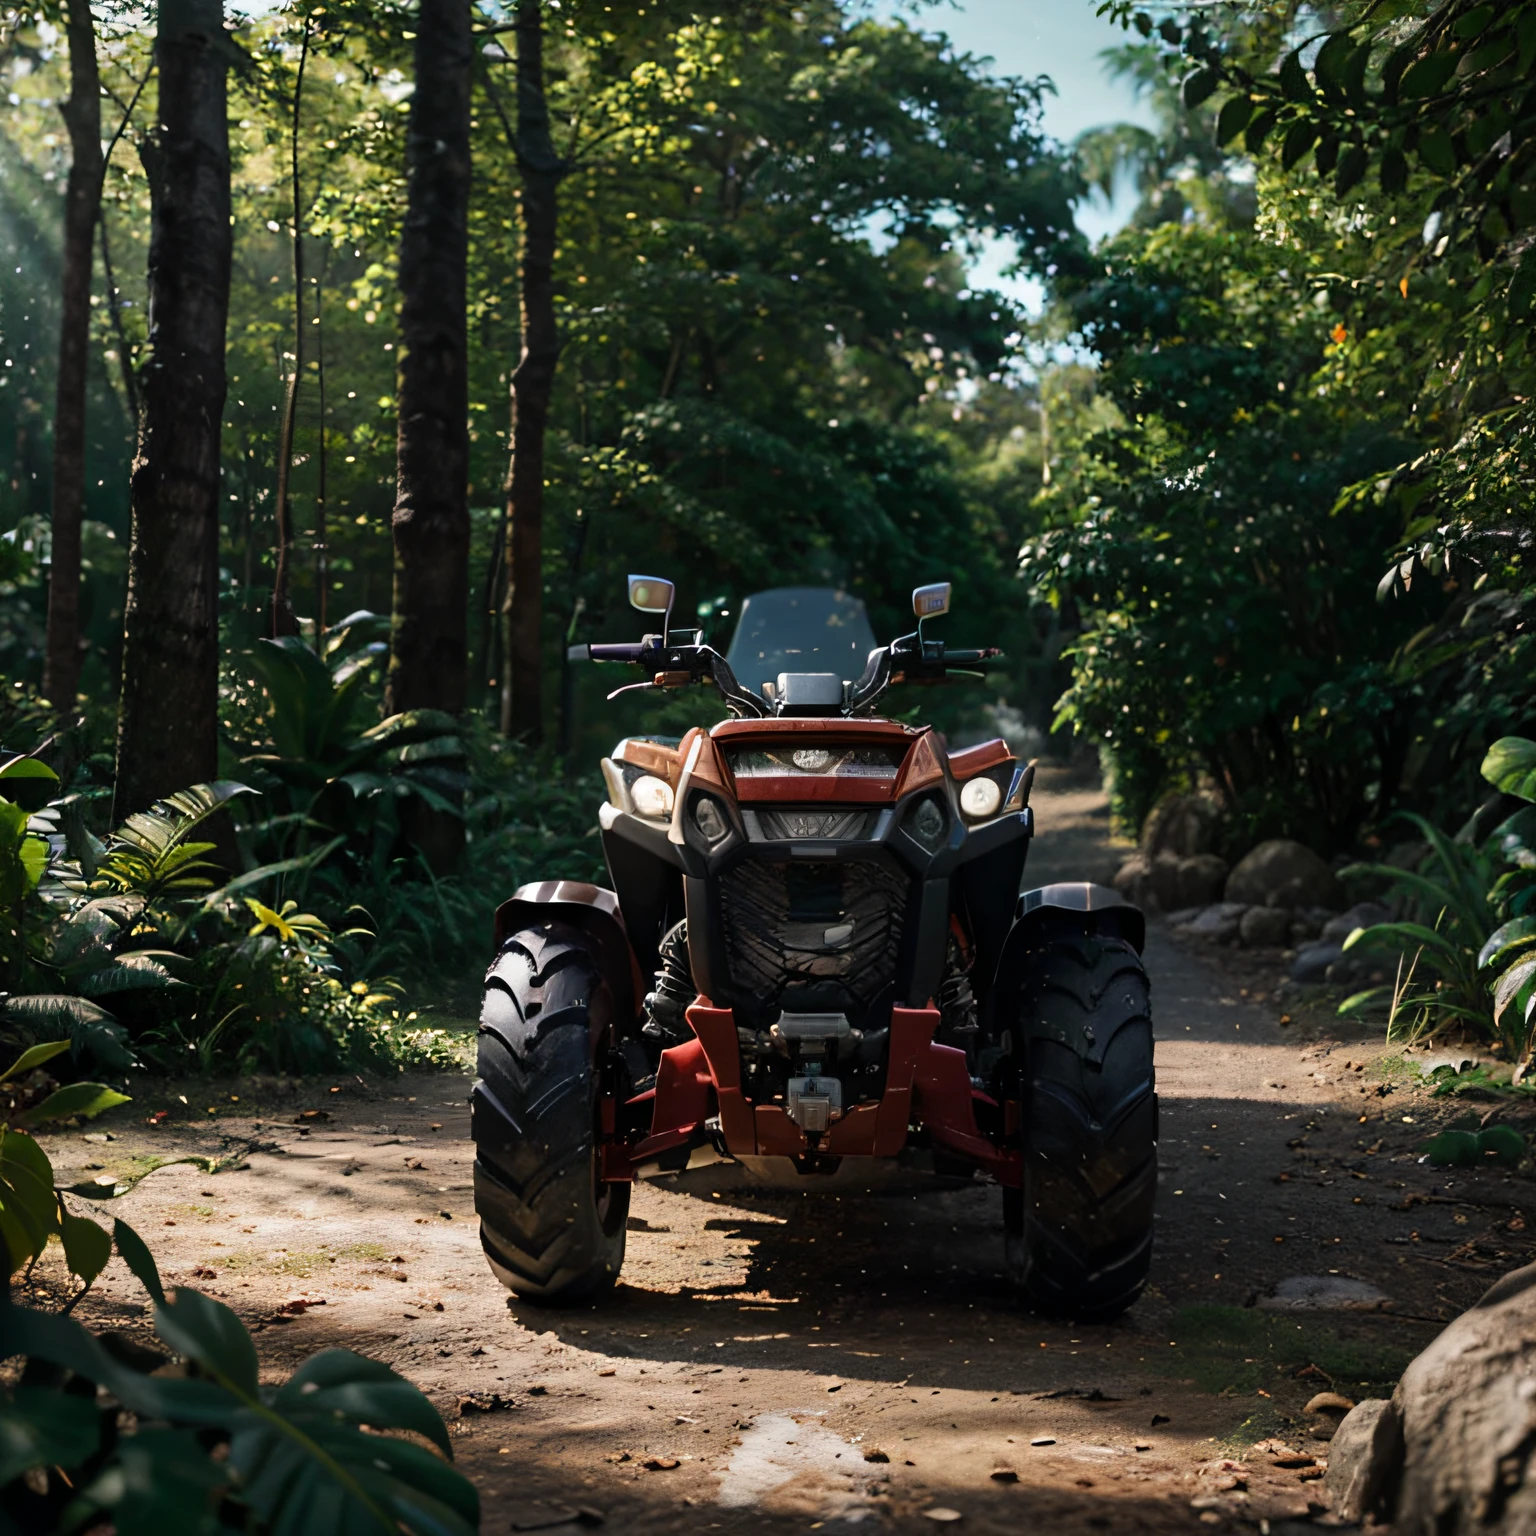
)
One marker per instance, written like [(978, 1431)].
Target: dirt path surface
[(787, 1362)]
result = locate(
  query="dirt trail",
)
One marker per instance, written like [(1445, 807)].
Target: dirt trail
[(823, 1361)]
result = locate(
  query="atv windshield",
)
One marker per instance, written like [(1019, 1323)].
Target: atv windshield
[(800, 629)]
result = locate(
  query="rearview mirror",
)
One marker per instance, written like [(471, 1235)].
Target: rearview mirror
[(931, 601), (652, 594)]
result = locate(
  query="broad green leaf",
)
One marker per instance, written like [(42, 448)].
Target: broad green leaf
[(1382, 935), (1513, 985), (1394, 172), (61, 1340), (1329, 67), (83, 1099), (1293, 78), (1232, 119), (1501, 1141), (1259, 129), (162, 1481), (1518, 933), (1427, 77), (1436, 151), (44, 1427), (1510, 766), (1200, 87), (366, 1391), (208, 1332), (87, 1246), (29, 1209), (27, 768), (1299, 138), (1352, 164), (136, 1255), (34, 1056), (1454, 1149)]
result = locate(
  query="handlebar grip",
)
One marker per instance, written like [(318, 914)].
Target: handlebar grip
[(622, 651), (582, 652), (960, 658)]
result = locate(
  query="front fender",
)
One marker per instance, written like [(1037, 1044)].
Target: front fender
[(592, 911), (1097, 909)]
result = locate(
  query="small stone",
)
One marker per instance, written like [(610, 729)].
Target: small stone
[(1003, 1475), (874, 1453), (661, 1463), (1043, 1440), (942, 1515)]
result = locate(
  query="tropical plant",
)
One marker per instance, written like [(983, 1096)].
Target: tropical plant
[(32, 1208), (212, 1450), (1509, 955), (326, 777), (1467, 952)]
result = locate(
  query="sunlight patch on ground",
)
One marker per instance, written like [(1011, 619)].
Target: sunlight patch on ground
[(794, 1467)]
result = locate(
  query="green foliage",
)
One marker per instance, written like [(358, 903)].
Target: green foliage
[(1224, 634), (212, 1449), (1471, 1149), (32, 1210), (1472, 932)]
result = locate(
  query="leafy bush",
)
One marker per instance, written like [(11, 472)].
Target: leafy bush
[(1470, 936), (139, 921), (213, 1451)]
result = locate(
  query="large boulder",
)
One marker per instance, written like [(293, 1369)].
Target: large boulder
[(1178, 883), (1182, 825), (1282, 873), (1134, 880), (1454, 1452), (1468, 1408)]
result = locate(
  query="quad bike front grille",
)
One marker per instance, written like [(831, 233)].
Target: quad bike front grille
[(813, 936)]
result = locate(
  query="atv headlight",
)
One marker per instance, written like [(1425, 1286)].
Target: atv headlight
[(652, 797), (980, 798)]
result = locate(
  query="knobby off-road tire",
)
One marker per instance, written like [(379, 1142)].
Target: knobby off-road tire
[(552, 1230), (1079, 1233)]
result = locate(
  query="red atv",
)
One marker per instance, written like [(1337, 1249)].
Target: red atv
[(815, 969)]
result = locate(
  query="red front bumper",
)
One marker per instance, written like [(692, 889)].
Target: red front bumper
[(927, 1088)]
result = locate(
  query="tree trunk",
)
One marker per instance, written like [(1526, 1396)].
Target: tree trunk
[(522, 708), (429, 653), (283, 620), (428, 666), (168, 724), (82, 198)]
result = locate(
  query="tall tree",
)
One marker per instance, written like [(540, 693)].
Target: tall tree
[(167, 730), (533, 381), (428, 661), (82, 118), (283, 620)]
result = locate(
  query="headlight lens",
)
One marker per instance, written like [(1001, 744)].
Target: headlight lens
[(980, 798), (652, 797)]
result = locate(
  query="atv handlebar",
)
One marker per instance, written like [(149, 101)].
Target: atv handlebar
[(909, 659)]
